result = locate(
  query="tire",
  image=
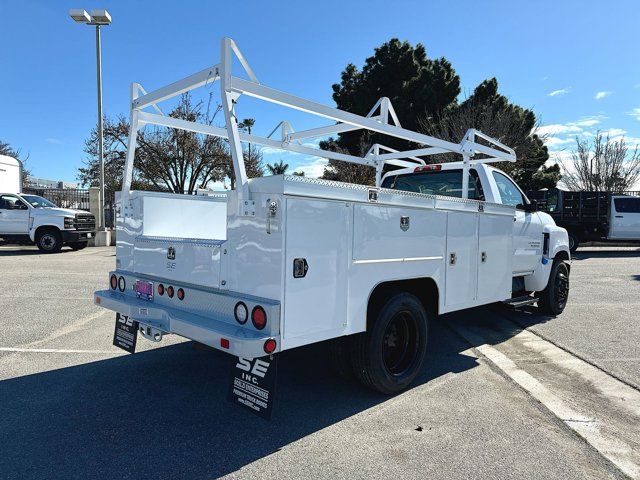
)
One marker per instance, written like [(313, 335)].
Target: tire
[(553, 299), (390, 354), (340, 357), (75, 246), (49, 240), (574, 242)]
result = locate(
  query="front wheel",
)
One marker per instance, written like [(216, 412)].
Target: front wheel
[(574, 242), (553, 299), (49, 241), (390, 354)]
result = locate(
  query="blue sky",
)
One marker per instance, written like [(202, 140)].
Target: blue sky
[(552, 56)]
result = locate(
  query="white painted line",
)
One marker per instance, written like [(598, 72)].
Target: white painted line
[(58, 350), (588, 421)]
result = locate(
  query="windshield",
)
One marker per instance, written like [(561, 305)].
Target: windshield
[(38, 202)]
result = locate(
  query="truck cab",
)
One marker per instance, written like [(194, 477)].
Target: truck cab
[(624, 218), (26, 218)]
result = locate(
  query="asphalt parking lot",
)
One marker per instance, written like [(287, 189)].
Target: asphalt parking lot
[(74, 406)]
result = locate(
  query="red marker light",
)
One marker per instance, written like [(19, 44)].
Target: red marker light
[(160, 289), (180, 294), (259, 317), (224, 343), (114, 282), (428, 168), (170, 291), (270, 346), (97, 300)]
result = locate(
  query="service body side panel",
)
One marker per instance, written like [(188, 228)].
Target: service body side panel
[(388, 248), (315, 306), (494, 267), (462, 255)]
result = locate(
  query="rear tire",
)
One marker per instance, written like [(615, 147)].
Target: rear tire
[(75, 246), (390, 354), (49, 240), (553, 299)]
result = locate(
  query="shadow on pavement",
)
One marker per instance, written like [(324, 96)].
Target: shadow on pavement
[(583, 255), (163, 413)]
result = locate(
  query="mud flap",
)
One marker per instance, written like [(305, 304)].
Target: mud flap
[(126, 333), (253, 384)]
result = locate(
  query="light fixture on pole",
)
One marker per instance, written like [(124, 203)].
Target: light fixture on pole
[(97, 18)]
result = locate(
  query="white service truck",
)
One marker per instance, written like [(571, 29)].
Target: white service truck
[(26, 218), (286, 261)]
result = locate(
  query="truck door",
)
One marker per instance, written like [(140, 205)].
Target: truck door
[(14, 215), (527, 227), (625, 218)]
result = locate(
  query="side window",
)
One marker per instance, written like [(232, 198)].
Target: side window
[(627, 205), (11, 202), (509, 193)]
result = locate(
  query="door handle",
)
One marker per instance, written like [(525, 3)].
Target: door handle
[(452, 258), (483, 257), (619, 216)]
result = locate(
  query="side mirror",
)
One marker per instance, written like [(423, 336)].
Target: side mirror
[(530, 207)]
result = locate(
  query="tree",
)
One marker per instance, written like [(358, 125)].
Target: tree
[(165, 159), (416, 85), (492, 113), (8, 150), (299, 174), (279, 168), (604, 165), (546, 177)]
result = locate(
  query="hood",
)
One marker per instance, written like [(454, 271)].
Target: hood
[(56, 212), (545, 218)]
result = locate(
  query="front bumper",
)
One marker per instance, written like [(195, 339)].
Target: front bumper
[(76, 236), (242, 342)]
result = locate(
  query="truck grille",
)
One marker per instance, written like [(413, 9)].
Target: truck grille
[(85, 221)]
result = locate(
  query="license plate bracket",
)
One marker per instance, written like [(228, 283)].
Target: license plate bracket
[(143, 289)]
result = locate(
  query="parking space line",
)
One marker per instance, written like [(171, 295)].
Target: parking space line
[(59, 350)]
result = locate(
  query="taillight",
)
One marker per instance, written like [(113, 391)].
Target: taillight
[(270, 345), (241, 313), (170, 291), (259, 317), (180, 294), (428, 168), (114, 282), (224, 343), (122, 284), (160, 289)]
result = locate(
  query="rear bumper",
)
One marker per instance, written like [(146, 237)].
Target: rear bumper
[(243, 342), (76, 236)]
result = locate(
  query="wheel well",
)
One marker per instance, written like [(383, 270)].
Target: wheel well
[(425, 289), (44, 228), (562, 255)]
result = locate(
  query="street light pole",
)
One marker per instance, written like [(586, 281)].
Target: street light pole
[(100, 131), (97, 19)]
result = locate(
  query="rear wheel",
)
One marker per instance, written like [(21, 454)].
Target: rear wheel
[(49, 240), (390, 354), (553, 299), (78, 245)]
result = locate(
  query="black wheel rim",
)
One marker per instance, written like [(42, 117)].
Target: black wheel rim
[(48, 242), (400, 343), (562, 286)]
